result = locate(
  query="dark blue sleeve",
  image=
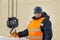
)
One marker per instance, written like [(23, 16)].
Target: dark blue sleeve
[(23, 33), (47, 30)]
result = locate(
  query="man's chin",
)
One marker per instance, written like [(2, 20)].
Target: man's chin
[(37, 17)]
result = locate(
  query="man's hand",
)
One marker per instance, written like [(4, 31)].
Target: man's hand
[(14, 34)]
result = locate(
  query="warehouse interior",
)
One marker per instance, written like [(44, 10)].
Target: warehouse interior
[(25, 12)]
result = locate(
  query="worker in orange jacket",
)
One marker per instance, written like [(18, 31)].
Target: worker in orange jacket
[(39, 28)]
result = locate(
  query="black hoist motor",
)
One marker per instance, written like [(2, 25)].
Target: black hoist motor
[(12, 22)]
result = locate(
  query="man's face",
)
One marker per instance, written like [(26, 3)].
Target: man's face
[(37, 15)]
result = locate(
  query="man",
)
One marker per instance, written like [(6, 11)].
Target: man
[(39, 27)]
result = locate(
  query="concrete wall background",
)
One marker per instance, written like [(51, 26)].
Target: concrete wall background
[(25, 12)]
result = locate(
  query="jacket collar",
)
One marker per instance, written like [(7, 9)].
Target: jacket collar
[(44, 14)]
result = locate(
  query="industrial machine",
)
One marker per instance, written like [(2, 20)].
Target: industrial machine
[(12, 21)]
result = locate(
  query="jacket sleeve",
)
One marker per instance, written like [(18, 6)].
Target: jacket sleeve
[(23, 33), (47, 30)]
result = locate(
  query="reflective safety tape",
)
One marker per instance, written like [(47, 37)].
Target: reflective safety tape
[(34, 29), (35, 37)]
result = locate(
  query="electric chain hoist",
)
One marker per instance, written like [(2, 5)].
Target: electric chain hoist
[(12, 21)]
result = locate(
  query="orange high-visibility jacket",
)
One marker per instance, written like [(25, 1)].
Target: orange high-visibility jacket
[(34, 29)]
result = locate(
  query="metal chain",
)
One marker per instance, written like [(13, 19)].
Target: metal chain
[(16, 7), (8, 8), (12, 9)]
